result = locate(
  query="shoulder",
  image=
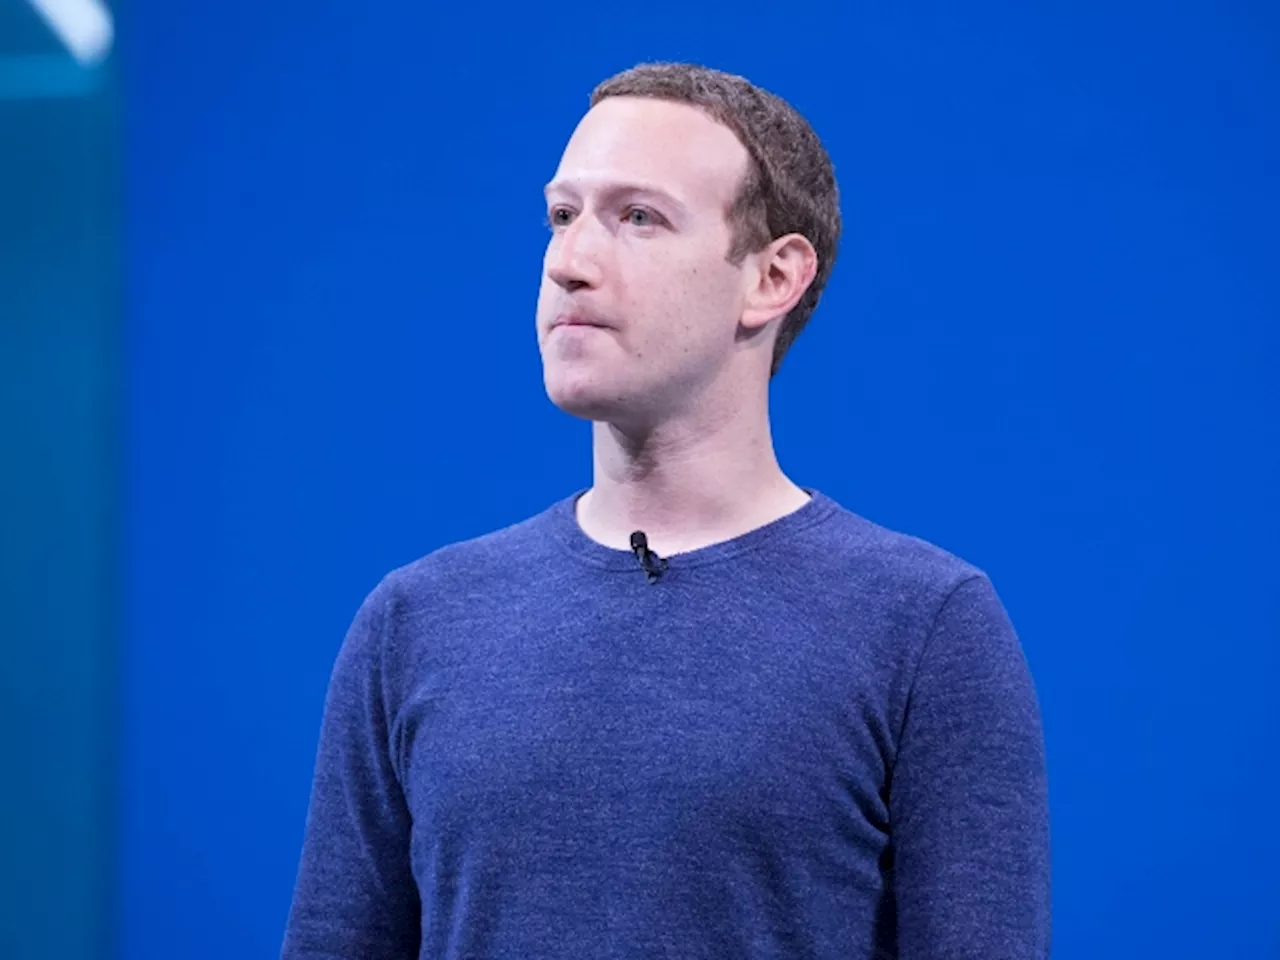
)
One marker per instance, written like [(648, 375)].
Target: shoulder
[(901, 570), (415, 607), (454, 569), (454, 580)]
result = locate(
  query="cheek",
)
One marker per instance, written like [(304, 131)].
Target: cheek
[(544, 286), (682, 326), (701, 302)]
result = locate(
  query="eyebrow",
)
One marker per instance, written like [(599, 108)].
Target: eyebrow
[(617, 190)]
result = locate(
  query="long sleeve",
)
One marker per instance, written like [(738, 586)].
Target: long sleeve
[(355, 895), (969, 793)]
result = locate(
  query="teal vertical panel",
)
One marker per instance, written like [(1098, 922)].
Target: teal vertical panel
[(59, 319)]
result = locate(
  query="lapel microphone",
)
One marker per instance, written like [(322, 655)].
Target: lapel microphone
[(652, 564)]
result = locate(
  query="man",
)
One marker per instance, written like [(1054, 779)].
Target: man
[(696, 711)]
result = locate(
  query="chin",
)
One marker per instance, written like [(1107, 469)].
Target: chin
[(580, 397), (599, 404)]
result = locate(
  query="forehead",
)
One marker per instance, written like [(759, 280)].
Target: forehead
[(670, 146)]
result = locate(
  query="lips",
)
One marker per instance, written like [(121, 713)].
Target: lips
[(575, 320)]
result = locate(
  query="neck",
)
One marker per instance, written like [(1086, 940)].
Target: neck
[(685, 485)]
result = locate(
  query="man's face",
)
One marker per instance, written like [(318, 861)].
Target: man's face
[(638, 244)]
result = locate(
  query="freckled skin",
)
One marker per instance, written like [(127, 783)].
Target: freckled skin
[(672, 357), (654, 270)]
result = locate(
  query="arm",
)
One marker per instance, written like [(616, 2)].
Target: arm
[(969, 795), (355, 897)]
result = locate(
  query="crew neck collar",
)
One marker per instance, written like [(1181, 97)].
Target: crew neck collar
[(569, 534)]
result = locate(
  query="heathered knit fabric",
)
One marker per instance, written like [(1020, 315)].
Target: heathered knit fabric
[(817, 740)]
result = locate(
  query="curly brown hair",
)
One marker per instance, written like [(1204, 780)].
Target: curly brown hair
[(789, 186)]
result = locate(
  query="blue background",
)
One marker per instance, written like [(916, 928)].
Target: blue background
[(1049, 346), (60, 569)]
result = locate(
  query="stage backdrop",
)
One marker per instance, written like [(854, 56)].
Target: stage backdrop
[(59, 406), (1048, 347)]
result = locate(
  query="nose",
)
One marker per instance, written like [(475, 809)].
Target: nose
[(572, 260)]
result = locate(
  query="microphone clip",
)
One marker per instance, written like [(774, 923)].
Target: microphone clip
[(652, 564)]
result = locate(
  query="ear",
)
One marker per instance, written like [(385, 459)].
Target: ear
[(784, 270)]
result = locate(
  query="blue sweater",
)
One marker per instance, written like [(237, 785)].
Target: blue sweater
[(817, 740)]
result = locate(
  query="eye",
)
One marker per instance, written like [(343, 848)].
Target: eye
[(641, 217), (559, 217)]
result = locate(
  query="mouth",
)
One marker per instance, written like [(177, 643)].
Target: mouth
[(575, 320)]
